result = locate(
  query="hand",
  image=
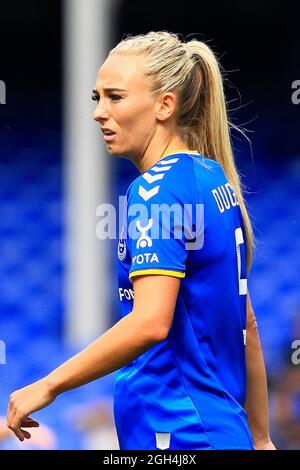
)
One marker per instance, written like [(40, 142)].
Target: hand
[(264, 445), (25, 401)]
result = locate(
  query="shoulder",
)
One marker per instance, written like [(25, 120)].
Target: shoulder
[(172, 178)]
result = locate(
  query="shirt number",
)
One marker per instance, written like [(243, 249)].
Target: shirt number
[(239, 239)]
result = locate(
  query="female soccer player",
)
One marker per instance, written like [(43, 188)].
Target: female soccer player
[(187, 345)]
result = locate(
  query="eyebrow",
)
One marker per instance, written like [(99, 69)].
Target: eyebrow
[(108, 90)]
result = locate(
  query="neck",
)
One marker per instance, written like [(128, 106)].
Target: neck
[(156, 150)]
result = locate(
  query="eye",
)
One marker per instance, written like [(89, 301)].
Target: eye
[(95, 97), (114, 97)]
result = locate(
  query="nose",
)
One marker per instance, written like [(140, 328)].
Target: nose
[(100, 113)]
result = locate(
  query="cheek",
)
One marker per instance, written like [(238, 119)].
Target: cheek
[(136, 118), (142, 123)]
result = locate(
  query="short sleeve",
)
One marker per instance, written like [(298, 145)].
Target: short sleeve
[(159, 220)]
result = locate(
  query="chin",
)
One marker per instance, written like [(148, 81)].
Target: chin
[(111, 150), (117, 152)]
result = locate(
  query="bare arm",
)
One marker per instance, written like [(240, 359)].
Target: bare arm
[(147, 324), (257, 394)]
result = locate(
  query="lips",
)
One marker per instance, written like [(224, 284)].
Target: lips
[(107, 131), (108, 134)]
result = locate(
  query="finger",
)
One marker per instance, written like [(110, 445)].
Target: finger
[(28, 420), (11, 413), (19, 433), (26, 434), (16, 424), (14, 420), (25, 423)]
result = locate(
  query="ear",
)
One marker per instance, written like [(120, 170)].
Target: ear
[(166, 105)]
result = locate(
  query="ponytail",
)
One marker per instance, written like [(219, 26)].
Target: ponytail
[(206, 126)]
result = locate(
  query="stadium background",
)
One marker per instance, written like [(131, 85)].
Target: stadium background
[(53, 298)]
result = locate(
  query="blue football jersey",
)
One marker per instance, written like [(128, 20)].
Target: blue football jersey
[(182, 219)]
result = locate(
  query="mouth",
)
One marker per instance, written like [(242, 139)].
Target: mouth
[(108, 134)]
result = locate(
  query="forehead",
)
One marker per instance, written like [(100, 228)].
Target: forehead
[(122, 71)]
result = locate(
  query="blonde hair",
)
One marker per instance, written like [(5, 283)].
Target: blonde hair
[(191, 70)]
